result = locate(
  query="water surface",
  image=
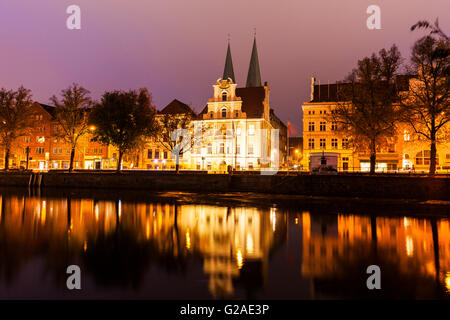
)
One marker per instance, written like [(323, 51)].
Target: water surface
[(242, 246)]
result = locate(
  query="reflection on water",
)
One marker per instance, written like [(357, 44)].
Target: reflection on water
[(164, 249)]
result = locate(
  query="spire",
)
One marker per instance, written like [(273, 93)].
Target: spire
[(228, 72), (254, 73)]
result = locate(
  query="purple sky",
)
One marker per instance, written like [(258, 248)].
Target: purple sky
[(177, 48)]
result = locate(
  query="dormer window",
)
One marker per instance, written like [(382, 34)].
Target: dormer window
[(224, 112), (224, 96)]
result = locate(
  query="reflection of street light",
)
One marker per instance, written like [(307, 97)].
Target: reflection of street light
[(203, 158)]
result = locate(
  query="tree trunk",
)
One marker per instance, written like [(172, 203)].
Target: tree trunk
[(177, 165), (7, 151), (373, 156), (72, 156), (119, 163), (433, 153)]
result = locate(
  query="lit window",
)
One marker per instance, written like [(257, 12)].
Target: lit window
[(222, 148), (323, 126), (323, 144), (406, 135), (251, 129), (334, 143), (250, 149), (344, 143)]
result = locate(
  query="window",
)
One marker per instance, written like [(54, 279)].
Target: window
[(311, 126), (95, 150), (238, 149), (156, 154), (40, 150), (250, 149), (406, 156), (344, 143), (334, 126), (54, 150), (210, 148), (251, 129), (238, 131), (423, 158), (250, 165), (224, 96), (334, 143), (311, 143), (323, 126), (100, 151), (323, 144), (222, 148), (211, 114), (224, 112), (165, 155), (406, 136), (40, 139), (26, 139)]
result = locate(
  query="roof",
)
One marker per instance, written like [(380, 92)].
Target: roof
[(228, 71), (329, 92), (50, 109), (254, 72), (252, 101), (177, 107)]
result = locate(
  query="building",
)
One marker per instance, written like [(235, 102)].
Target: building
[(46, 151), (240, 126), (406, 151)]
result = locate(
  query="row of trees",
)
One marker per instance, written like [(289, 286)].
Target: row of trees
[(121, 119), (373, 104)]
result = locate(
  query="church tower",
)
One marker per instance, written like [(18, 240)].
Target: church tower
[(228, 72), (254, 73)]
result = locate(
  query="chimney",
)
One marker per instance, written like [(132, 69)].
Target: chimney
[(313, 81)]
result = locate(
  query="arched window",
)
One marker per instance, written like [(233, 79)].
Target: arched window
[(224, 96), (224, 112)]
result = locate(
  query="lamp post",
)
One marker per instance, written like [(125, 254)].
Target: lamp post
[(28, 155)]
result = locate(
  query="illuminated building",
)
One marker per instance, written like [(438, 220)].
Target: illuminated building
[(404, 152)]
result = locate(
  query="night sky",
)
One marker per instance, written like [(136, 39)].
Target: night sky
[(177, 48)]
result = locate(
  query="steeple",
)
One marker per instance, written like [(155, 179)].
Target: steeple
[(254, 73), (228, 72)]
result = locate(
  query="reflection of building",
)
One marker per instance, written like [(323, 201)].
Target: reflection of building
[(228, 239), (409, 241), (233, 243), (405, 151)]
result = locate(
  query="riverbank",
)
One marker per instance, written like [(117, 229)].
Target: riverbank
[(355, 186)]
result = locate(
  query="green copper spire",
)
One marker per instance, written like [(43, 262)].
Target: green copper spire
[(228, 72), (254, 73)]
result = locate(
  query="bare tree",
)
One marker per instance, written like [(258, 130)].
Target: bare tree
[(72, 115), (15, 119), (366, 109), (175, 134), (426, 106)]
